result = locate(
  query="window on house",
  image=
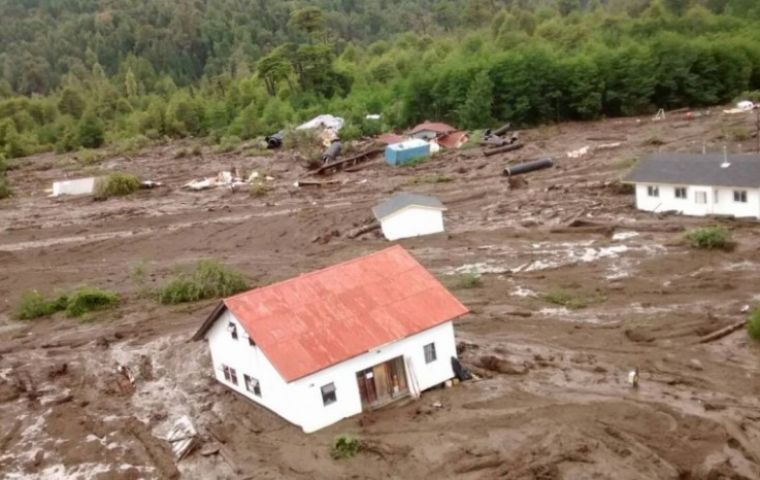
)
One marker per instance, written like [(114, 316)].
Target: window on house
[(328, 394), (740, 196), (230, 374), (700, 197), (252, 385), (680, 192), (232, 328), (430, 355), (653, 191)]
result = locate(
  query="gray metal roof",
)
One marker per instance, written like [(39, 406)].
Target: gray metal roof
[(696, 169), (403, 200)]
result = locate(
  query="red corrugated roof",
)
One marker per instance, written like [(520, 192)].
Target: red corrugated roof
[(437, 127), (453, 140), (316, 320), (389, 138)]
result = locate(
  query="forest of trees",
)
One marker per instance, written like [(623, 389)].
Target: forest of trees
[(81, 73)]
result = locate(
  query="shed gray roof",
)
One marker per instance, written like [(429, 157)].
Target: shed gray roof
[(695, 169), (403, 200)]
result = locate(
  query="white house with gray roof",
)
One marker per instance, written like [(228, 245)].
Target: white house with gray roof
[(693, 184), (406, 215)]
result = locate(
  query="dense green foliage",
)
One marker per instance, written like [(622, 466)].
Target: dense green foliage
[(77, 303), (753, 324), (116, 184), (80, 73), (209, 280), (709, 238)]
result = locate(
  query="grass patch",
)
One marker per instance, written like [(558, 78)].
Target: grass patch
[(753, 324), (626, 163), (474, 141), (116, 184), (77, 303), (431, 179), (571, 300), (228, 144), (345, 446), (414, 161), (88, 157), (470, 280), (709, 238), (739, 133), (5, 189), (130, 145), (209, 279)]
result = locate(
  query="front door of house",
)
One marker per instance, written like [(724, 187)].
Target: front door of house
[(382, 383)]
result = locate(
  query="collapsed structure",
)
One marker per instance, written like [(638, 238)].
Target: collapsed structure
[(692, 184), (329, 344)]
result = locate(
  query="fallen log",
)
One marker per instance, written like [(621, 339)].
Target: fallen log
[(352, 160), (528, 167), (606, 139), (718, 334), (504, 149), (316, 183)]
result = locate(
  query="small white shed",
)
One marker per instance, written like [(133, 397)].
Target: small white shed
[(330, 344), (698, 185), (80, 186), (408, 215)]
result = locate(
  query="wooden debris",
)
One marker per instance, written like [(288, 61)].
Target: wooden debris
[(363, 229), (182, 437), (316, 183), (718, 334), (349, 161)]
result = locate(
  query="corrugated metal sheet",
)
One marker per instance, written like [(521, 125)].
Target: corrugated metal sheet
[(311, 322)]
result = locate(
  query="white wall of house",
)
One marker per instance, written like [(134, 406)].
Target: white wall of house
[(425, 135), (300, 402), (717, 200), (81, 186), (412, 221)]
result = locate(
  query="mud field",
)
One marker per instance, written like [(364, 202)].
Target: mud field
[(552, 399)]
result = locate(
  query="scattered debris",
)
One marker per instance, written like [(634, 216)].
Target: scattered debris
[(659, 116), (372, 116), (231, 179), (350, 161), (741, 107), (389, 138), (723, 332), (332, 152), (150, 184), (275, 140), (633, 377), (183, 437), (315, 183), (124, 370), (527, 167), (323, 122), (581, 152)]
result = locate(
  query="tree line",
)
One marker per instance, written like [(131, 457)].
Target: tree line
[(249, 68)]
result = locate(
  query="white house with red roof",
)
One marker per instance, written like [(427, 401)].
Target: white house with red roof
[(330, 344)]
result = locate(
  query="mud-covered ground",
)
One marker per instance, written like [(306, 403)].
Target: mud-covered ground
[(551, 400)]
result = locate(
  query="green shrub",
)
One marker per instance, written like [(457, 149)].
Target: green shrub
[(345, 446), (709, 238), (88, 299), (35, 305), (116, 184), (210, 279), (753, 324), (88, 157), (228, 144), (470, 280), (259, 189), (565, 299), (5, 190), (130, 145), (91, 132)]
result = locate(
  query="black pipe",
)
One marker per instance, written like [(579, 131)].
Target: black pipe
[(526, 167)]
